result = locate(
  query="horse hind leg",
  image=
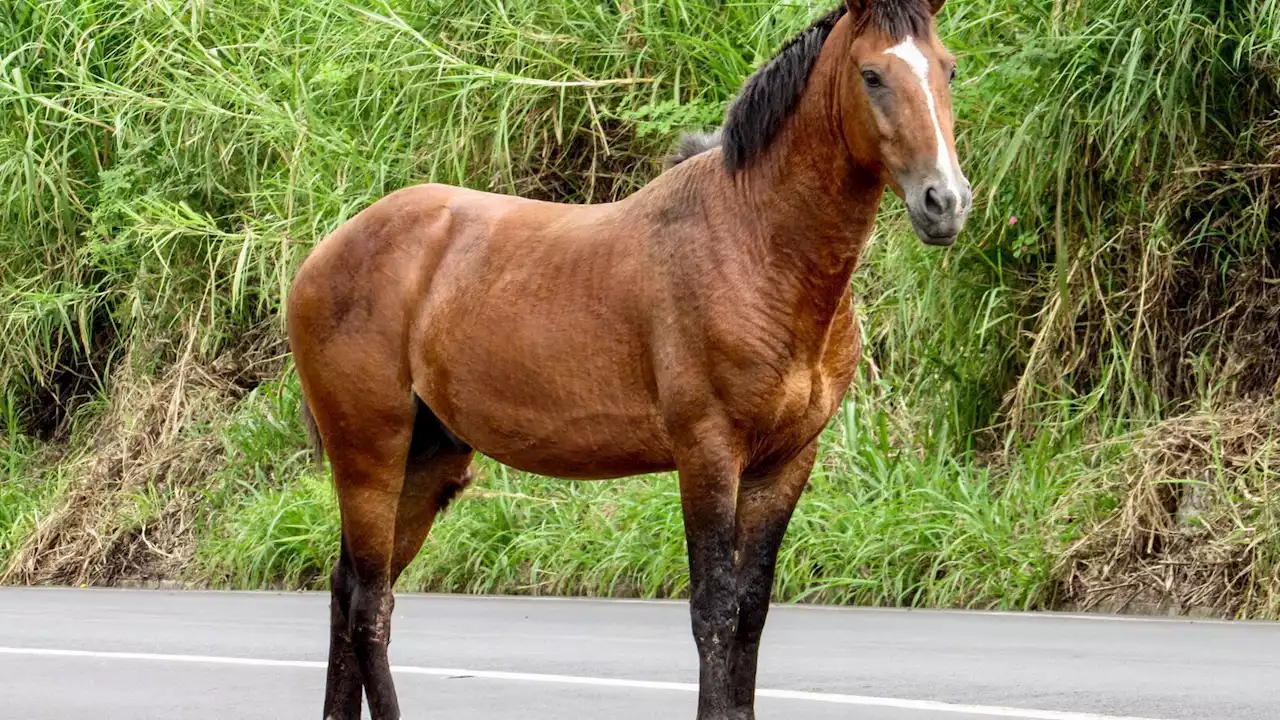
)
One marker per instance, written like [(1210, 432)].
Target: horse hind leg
[(342, 683), (346, 316), (368, 446), (385, 520), (438, 469)]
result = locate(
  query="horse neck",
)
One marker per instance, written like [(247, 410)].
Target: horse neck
[(814, 204)]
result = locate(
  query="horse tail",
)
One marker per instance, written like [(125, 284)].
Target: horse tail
[(692, 144), (313, 432)]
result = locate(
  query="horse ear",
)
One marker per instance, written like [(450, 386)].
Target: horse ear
[(936, 5), (858, 8)]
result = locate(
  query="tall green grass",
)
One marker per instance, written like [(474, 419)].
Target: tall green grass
[(165, 165), (880, 524), (26, 496), (168, 164)]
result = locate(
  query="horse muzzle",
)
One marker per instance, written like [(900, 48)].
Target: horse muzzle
[(938, 212)]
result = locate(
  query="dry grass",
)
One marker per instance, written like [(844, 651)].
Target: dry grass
[(1197, 527), (128, 512)]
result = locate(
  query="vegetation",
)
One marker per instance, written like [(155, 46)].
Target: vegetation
[(1074, 405)]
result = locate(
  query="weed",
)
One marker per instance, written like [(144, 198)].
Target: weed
[(165, 166)]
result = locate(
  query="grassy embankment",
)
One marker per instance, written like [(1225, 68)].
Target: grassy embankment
[(1073, 407)]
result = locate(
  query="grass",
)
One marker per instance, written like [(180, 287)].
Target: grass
[(878, 525), (25, 496), (166, 165)]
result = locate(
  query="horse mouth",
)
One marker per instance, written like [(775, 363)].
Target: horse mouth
[(936, 240)]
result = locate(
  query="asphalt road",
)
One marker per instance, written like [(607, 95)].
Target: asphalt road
[(67, 653)]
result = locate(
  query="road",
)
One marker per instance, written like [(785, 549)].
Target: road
[(68, 653)]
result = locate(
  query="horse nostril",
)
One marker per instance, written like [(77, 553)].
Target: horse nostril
[(933, 204), (939, 204)]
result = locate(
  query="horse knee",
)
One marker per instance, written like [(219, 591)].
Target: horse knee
[(715, 622), (753, 605), (371, 615)]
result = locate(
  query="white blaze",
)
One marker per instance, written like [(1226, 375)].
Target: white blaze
[(910, 53)]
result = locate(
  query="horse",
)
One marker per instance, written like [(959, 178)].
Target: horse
[(704, 324)]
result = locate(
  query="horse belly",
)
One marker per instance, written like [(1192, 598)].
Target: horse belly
[(565, 398), (560, 445)]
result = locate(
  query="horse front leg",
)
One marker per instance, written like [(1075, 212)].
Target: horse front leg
[(708, 494), (763, 512)]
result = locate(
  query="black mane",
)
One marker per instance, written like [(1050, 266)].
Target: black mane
[(771, 93), (897, 18)]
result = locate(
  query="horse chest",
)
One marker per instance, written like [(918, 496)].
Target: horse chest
[(797, 393), (780, 413), (788, 406)]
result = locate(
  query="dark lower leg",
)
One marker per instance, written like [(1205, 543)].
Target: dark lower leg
[(713, 603), (763, 513), (755, 585), (714, 614), (342, 685), (368, 524), (389, 541), (371, 606)]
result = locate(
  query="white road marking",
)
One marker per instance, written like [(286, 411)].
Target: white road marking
[(832, 698), (910, 53)]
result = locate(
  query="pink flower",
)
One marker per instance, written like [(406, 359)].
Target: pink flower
[(1013, 220)]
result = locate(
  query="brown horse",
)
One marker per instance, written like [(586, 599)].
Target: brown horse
[(704, 324)]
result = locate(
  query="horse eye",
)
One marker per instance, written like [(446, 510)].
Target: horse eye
[(872, 79)]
